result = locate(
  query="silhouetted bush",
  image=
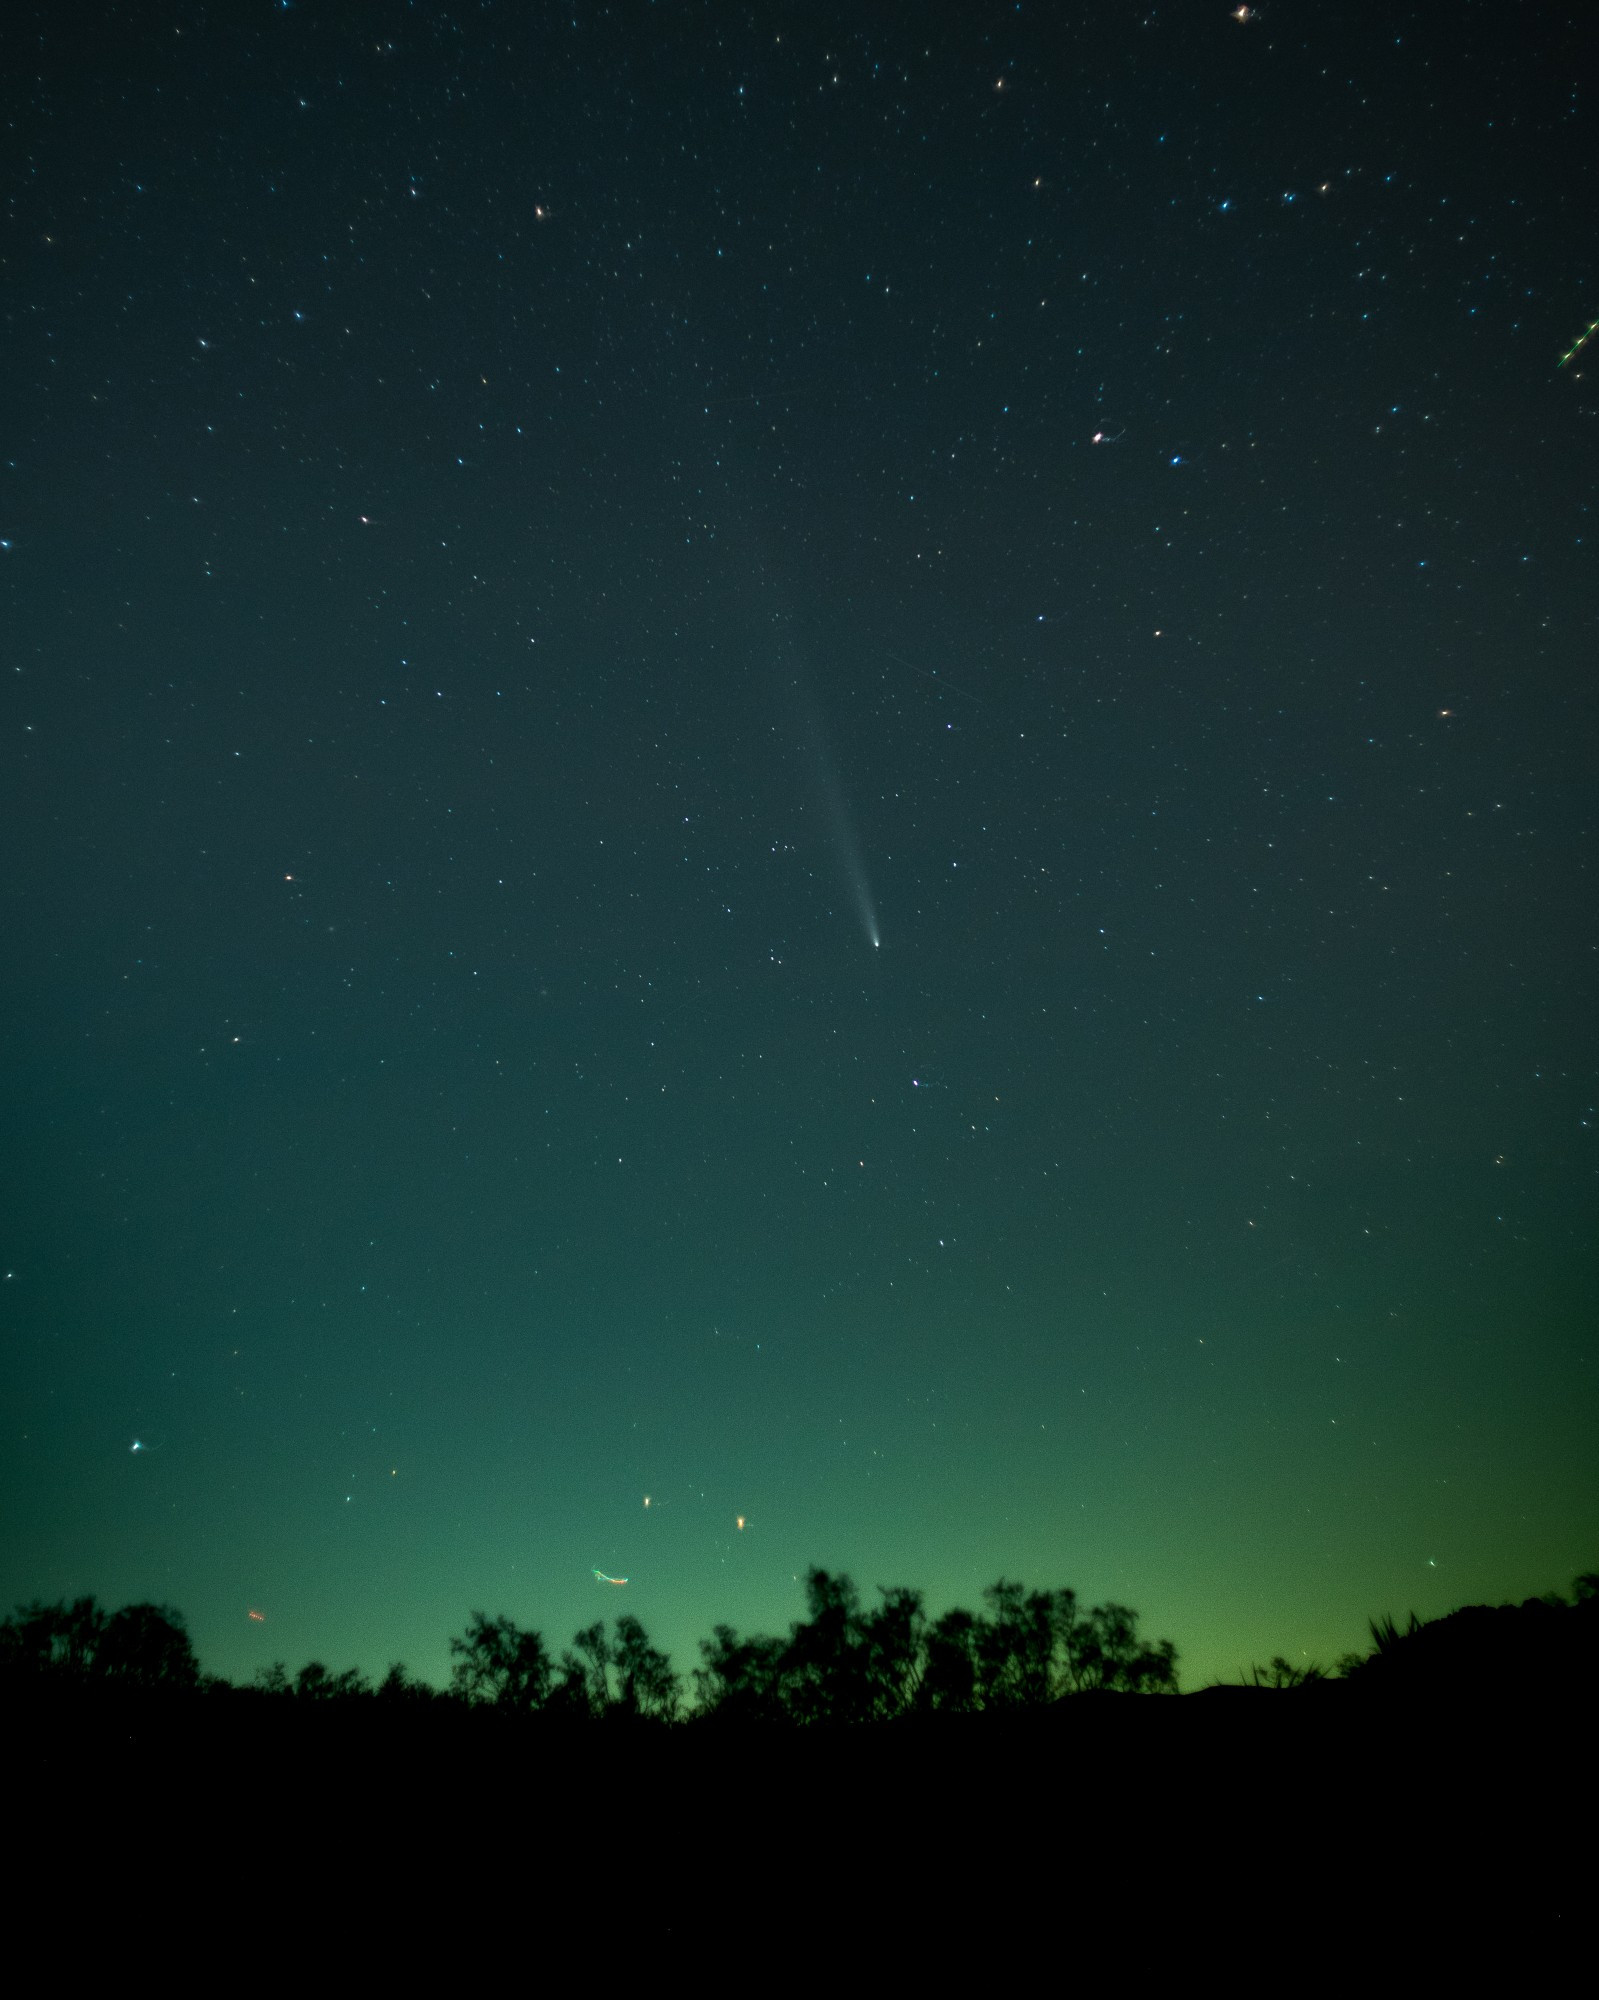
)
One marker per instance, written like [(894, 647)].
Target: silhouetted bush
[(1546, 1643), (1282, 1674), (1543, 1643)]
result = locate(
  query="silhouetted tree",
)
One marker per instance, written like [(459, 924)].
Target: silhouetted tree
[(950, 1672), (626, 1676), (400, 1685), (893, 1638), (585, 1672), (841, 1663), (315, 1683), (1105, 1652), (845, 1664), (61, 1641), (741, 1679), (645, 1683), (499, 1662), (825, 1676), (77, 1644), (147, 1646), (1016, 1644)]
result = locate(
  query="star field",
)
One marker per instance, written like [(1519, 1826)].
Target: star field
[(835, 766)]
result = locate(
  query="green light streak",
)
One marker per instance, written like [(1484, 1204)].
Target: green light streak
[(1579, 343)]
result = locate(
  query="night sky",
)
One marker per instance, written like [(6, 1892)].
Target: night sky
[(831, 762)]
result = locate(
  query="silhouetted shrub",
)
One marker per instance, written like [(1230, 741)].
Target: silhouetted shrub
[(1543, 1643)]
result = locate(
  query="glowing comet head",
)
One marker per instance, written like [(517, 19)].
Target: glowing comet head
[(866, 908)]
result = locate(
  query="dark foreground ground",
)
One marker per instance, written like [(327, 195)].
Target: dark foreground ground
[(1229, 1836)]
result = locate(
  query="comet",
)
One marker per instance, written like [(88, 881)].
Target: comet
[(603, 1578)]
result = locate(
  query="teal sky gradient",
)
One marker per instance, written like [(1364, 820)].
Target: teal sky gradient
[(524, 550)]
